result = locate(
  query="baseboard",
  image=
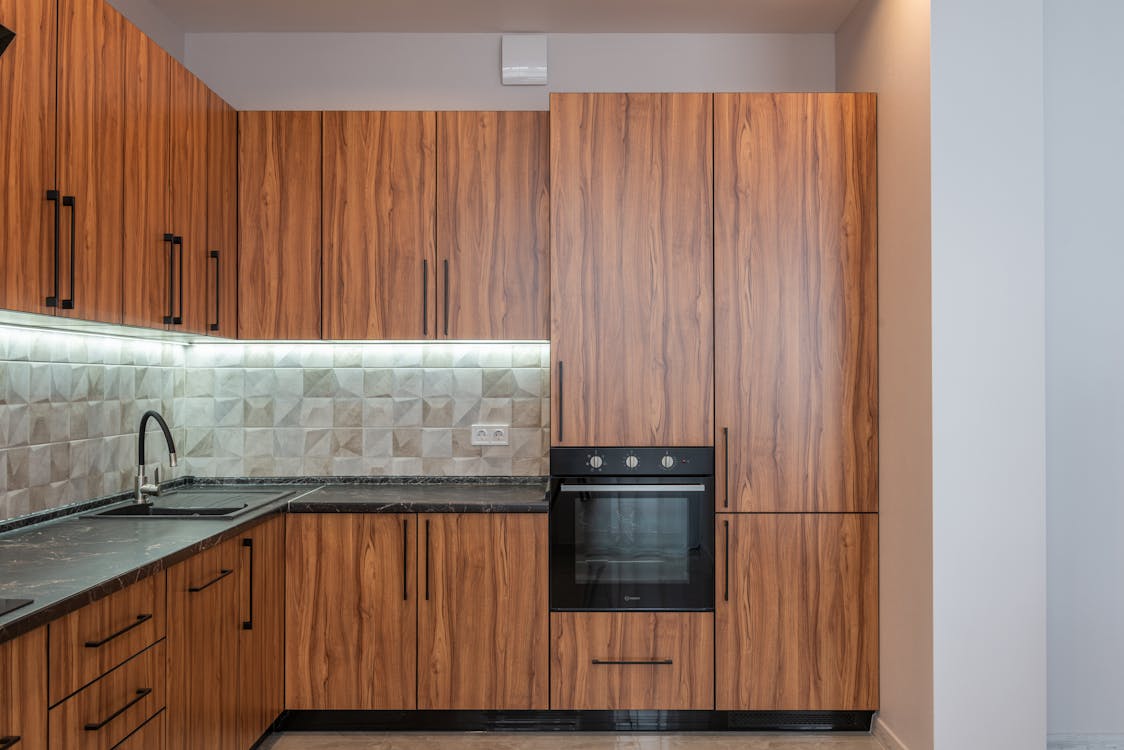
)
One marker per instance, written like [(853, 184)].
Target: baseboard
[(1085, 742), (886, 736)]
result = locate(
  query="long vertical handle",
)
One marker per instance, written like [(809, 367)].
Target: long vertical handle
[(405, 560), (169, 240), (249, 624), (7, 742), (69, 202), (427, 560), (218, 291), (425, 297), (53, 197), (561, 424), (726, 468), (446, 296), (726, 565), (178, 320)]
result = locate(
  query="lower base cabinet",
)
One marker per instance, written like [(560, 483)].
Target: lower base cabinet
[(632, 661), (261, 630), (23, 689)]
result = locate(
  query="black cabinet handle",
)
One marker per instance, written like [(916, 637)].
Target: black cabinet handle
[(140, 696), (169, 240), (726, 565), (53, 196), (178, 320), (425, 297), (631, 662), (69, 202), (427, 560), (6, 742), (726, 468), (249, 624), (560, 403), (141, 620), (405, 560), (218, 290), (446, 296), (222, 574)]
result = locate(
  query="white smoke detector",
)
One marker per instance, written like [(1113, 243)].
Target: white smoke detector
[(523, 59)]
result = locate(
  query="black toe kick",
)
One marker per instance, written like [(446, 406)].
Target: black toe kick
[(577, 721)]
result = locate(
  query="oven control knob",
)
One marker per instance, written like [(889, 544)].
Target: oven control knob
[(596, 462), (668, 462), (631, 462)]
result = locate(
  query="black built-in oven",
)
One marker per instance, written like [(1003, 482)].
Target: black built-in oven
[(632, 529)]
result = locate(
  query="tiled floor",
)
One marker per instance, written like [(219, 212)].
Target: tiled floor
[(567, 741)]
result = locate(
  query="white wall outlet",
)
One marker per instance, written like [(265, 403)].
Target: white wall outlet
[(489, 434)]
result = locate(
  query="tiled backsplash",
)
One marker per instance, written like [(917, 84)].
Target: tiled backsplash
[(70, 405)]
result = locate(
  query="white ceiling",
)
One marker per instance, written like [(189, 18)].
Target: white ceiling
[(490, 16)]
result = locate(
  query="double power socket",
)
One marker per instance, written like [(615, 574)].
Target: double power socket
[(489, 434)]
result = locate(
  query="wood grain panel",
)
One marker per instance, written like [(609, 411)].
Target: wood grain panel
[(150, 736), (351, 612), (121, 625), (668, 661), (279, 165), (190, 152), (379, 217), (493, 224), (631, 269), (796, 302), (482, 621), (222, 219), (797, 627), (261, 642), (123, 688), (27, 155), (23, 685), (147, 190), (203, 630)]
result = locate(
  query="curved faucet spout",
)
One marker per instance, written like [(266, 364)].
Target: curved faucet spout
[(143, 488)]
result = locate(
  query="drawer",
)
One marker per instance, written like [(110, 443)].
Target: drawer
[(102, 714), (87, 643), (632, 660), (149, 737), (23, 692)]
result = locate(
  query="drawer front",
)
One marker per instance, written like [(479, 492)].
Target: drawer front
[(632, 661), (148, 737), (86, 644), (23, 692), (106, 712)]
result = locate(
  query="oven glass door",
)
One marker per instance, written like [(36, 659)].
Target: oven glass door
[(632, 546)]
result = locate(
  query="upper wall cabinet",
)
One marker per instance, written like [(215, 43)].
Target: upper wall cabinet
[(191, 102), (221, 294), (796, 303), (61, 155), (279, 160), (493, 214), (631, 269), (379, 233)]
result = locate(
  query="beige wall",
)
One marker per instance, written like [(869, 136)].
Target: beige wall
[(884, 47)]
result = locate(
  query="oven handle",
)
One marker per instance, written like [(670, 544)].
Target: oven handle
[(614, 488)]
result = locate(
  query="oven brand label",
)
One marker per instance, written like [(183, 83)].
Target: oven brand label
[(628, 598)]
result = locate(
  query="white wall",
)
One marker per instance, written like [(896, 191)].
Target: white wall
[(989, 514), (1085, 365), (152, 21), (462, 71), (884, 47)]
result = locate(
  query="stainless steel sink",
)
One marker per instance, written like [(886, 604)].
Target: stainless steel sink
[(199, 503)]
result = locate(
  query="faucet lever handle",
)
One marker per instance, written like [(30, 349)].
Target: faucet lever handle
[(156, 480)]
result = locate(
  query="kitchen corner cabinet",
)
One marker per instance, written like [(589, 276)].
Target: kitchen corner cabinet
[(796, 614), (261, 635), (483, 612), (795, 303), (631, 332), (221, 297), (493, 224), (23, 686), (279, 250), (351, 611)]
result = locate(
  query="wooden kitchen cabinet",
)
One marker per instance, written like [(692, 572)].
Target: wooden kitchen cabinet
[(203, 643), (351, 611), (796, 357), (631, 269), (222, 219), (483, 611), (261, 637), (23, 685), (796, 613), (379, 234), (279, 199), (493, 224)]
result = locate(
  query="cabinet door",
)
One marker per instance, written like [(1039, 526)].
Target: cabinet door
[(797, 612), (279, 232), (379, 246), (261, 642), (796, 303), (222, 219), (23, 674), (189, 152), (493, 210), (27, 156), (147, 281), (482, 621), (91, 138), (350, 612), (203, 629), (631, 269)]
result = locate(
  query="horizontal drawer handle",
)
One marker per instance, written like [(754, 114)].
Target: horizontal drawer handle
[(6, 742), (141, 620), (141, 695), (632, 662), (614, 488), (222, 574)]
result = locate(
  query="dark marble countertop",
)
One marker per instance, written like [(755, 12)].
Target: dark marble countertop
[(423, 498)]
